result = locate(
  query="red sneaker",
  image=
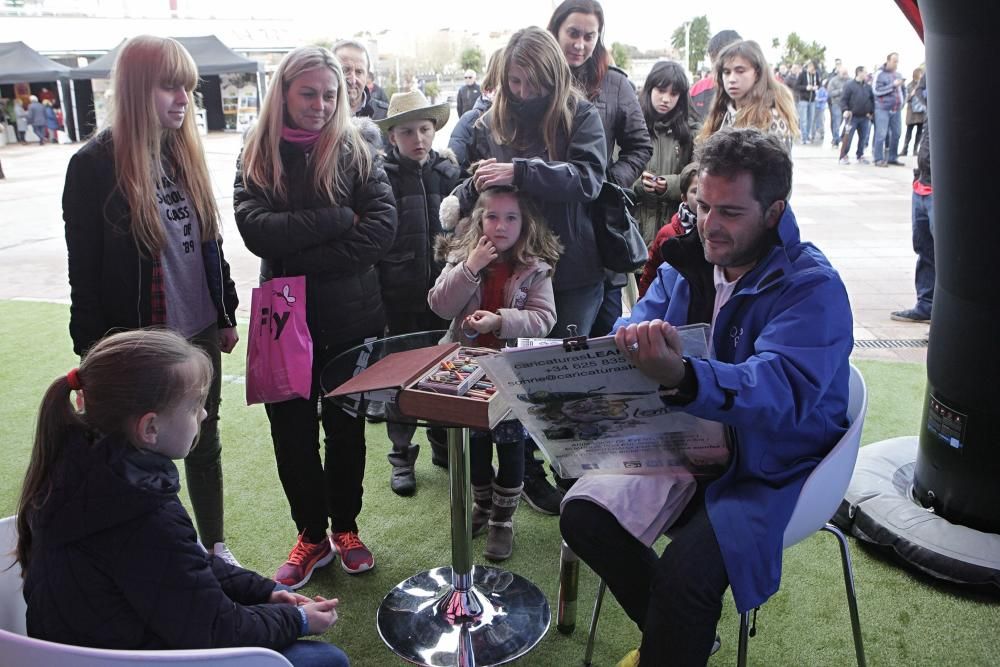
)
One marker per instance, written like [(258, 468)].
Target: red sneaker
[(354, 555), (304, 558)]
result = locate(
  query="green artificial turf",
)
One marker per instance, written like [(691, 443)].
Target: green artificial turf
[(907, 618)]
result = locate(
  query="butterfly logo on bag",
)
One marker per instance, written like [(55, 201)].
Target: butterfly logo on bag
[(286, 294), (281, 319)]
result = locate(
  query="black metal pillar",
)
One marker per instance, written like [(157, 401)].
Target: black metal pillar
[(958, 461)]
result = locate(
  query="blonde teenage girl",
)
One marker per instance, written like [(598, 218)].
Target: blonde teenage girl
[(142, 234)]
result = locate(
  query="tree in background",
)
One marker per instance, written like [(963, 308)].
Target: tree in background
[(622, 54), (797, 51), (472, 58), (699, 35)]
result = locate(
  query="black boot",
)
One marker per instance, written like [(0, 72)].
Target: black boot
[(403, 481), (538, 492), (438, 437)]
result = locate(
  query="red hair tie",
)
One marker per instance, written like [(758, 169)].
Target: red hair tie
[(73, 378)]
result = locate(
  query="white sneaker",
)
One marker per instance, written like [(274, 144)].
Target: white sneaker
[(220, 550)]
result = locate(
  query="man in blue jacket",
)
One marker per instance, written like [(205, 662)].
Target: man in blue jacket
[(777, 378)]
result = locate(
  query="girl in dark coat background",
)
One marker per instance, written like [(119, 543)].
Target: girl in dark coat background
[(108, 553), (143, 240), (312, 199)]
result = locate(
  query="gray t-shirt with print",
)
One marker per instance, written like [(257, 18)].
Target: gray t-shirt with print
[(190, 309)]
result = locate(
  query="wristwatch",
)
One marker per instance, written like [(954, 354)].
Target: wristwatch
[(685, 391)]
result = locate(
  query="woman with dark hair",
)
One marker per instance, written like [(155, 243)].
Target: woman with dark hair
[(578, 26), (664, 102)]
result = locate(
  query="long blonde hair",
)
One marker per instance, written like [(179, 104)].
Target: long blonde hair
[(536, 240), (536, 52), (765, 94), (339, 138), (142, 146)]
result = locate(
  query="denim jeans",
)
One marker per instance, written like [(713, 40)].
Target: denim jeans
[(886, 132), (312, 653), (610, 311), (861, 125), (835, 119), (577, 306), (806, 110), (923, 245), (819, 122)]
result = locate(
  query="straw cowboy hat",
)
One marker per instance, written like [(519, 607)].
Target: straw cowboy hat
[(412, 105)]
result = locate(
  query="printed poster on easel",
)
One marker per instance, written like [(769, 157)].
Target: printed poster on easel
[(591, 411)]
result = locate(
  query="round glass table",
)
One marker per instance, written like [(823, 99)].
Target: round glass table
[(462, 615)]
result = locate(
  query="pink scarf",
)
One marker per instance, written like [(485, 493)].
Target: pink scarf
[(304, 139)]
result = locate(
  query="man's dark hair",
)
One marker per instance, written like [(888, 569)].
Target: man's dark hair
[(721, 40), (731, 151), (859, 69)]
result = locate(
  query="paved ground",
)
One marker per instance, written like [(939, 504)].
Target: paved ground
[(858, 215)]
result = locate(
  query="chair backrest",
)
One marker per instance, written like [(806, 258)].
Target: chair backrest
[(827, 483), (18, 650), (12, 607)]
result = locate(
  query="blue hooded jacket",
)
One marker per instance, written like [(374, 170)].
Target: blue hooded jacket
[(779, 381)]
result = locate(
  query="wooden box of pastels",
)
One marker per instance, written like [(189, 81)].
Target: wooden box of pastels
[(442, 384)]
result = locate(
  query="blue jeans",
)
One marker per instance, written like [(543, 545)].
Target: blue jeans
[(861, 125), (886, 132), (610, 311), (805, 110), (835, 119), (311, 653), (819, 122), (577, 306), (923, 245)]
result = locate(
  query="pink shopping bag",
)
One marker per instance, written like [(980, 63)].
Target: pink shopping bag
[(279, 354)]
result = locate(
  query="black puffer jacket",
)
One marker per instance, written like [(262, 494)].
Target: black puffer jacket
[(110, 281), (408, 271), (625, 126), (115, 562), (564, 186), (336, 253)]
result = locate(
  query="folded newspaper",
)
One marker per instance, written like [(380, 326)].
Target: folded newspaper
[(591, 411)]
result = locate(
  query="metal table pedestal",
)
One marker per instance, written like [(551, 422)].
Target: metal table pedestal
[(463, 615)]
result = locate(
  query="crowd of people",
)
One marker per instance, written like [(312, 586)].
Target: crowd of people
[(491, 240)]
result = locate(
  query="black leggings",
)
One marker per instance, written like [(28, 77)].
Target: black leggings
[(317, 487)]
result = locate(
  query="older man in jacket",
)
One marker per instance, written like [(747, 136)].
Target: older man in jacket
[(781, 333)]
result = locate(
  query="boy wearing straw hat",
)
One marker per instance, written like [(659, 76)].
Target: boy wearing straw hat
[(420, 177)]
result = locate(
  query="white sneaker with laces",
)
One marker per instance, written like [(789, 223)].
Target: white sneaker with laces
[(220, 550)]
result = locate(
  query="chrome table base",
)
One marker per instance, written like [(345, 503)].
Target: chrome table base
[(463, 615)]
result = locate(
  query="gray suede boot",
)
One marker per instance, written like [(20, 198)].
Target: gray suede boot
[(403, 481), (500, 540), (482, 505)]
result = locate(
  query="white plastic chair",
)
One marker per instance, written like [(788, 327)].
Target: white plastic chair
[(818, 501), (19, 650)]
